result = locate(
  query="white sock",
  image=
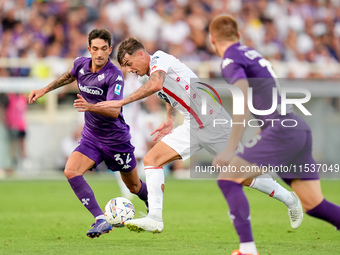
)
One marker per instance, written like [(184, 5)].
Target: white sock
[(270, 187), (248, 248), (154, 180)]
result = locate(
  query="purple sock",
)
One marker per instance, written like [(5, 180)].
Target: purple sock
[(327, 211), (85, 194), (239, 208), (143, 192)]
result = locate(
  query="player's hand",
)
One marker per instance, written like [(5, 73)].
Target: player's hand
[(81, 104), (35, 94), (164, 129), (112, 103), (223, 158)]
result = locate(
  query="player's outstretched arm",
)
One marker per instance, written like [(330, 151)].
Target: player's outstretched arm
[(62, 80), (153, 85), (83, 106)]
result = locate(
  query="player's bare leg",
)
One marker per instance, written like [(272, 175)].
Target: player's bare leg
[(309, 192), (124, 191), (315, 205), (76, 166), (154, 160), (135, 185), (131, 180)]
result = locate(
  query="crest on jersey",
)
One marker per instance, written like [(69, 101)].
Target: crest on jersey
[(117, 89), (100, 77)]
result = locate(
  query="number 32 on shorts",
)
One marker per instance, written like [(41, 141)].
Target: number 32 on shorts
[(249, 144), (120, 160)]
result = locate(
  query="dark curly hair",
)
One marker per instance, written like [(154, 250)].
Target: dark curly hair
[(101, 34)]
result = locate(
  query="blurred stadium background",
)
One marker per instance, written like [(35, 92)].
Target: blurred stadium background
[(40, 40)]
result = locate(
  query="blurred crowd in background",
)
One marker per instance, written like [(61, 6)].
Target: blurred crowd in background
[(295, 31)]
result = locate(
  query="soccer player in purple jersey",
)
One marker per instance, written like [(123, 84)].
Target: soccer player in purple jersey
[(274, 146), (105, 135)]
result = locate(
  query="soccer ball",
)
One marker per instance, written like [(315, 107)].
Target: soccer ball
[(118, 210)]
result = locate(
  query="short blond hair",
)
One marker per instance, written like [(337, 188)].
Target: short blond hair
[(224, 28)]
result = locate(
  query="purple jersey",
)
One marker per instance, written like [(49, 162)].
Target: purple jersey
[(106, 84), (242, 62), (275, 146)]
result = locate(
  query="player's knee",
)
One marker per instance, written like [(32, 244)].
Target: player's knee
[(70, 173), (149, 161)]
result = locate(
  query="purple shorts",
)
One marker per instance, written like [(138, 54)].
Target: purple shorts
[(117, 158), (287, 152)]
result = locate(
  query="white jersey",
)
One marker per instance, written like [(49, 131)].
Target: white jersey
[(182, 93)]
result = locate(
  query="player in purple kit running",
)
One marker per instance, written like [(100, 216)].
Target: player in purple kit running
[(274, 146), (105, 136)]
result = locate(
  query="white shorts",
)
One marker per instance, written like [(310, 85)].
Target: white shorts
[(186, 141)]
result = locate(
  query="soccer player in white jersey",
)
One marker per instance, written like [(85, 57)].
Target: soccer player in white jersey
[(165, 75)]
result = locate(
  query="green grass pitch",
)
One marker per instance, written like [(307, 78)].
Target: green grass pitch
[(45, 217)]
